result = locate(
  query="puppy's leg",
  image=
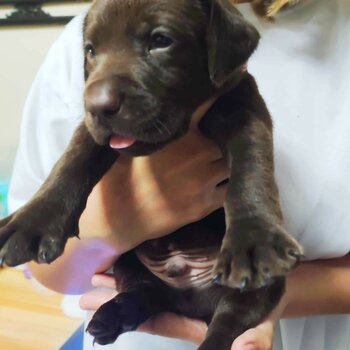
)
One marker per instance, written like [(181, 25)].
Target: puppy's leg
[(143, 296), (255, 247), (40, 229), (237, 312)]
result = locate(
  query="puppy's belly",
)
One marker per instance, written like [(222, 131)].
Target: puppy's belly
[(180, 270)]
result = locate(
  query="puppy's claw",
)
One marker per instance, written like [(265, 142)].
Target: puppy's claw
[(2, 256), (42, 257), (295, 254), (267, 273), (244, 284), (217, 279)]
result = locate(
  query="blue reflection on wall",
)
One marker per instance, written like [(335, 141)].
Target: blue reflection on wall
[(3, 199)]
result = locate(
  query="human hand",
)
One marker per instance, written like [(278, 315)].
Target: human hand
[(257, 338), (176, 326), (146, 197), (166, 324)]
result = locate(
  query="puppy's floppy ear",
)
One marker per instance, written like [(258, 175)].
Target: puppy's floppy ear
[(230, 40)]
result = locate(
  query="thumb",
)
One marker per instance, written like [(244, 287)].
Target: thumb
[(200, 112), (175, 326)]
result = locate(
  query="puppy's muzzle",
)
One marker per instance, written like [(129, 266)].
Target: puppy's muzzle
[(103, 100)]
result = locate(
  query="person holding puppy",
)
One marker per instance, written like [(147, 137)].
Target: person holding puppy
[(301, 66)]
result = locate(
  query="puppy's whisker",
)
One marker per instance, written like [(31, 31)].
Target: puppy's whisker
[(164, 126), (158, 128)]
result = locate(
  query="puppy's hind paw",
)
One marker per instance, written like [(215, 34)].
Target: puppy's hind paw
[(117, 316)]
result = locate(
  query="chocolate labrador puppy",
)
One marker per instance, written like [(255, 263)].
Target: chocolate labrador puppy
[(148, 65)]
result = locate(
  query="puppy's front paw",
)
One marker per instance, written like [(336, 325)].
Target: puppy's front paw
[(33, 233), (254, 255), (117, 316)]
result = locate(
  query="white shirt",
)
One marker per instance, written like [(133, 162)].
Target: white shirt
[(302, 67)]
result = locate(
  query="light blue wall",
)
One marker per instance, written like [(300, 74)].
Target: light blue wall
[(3, 199), (7, 156)]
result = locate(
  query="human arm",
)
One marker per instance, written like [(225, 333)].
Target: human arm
[(320, 287), (313, 288)]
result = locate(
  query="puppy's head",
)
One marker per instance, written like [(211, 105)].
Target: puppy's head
[(150, 63)]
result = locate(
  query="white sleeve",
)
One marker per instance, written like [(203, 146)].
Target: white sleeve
[(53, 109)]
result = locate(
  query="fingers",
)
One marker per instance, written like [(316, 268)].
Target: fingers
[(219, 196), (94, 299), (259, 338), (193, 144), (200, 112), (175, 326), (192, 148), (104, 281), (199, 145), (204, 178), (218, 174), (220, 171)]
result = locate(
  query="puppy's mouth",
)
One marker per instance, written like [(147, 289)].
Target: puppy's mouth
[(159, 130), (150, 133), (132, 130), (120, 142), (140, 144)]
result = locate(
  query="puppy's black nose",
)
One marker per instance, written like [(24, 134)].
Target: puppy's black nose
[(102, 99)]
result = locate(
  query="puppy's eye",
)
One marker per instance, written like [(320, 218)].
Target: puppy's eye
[(160, 41), (89, 51)]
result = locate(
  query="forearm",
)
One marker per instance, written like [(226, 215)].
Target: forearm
[(95, 251), (318, 287), (314, 288)]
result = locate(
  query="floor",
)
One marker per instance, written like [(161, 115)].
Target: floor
[(31, 317)]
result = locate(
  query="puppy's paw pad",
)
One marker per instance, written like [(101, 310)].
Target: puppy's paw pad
[(28, 236), (119, 315), (233, 269), (255, 256)]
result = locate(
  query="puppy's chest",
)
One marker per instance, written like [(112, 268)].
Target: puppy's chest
[(181, 270), (185, 259)]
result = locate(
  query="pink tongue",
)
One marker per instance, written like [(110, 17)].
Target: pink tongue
[(118, 141)]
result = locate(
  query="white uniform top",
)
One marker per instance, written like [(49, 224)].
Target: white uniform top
[(302, 67)]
